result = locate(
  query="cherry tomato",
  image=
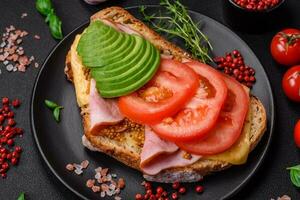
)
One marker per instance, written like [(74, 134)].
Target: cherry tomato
[(291, 83), (200, 114), (297, 134), (173, 85), (229, 125), (285, 47)]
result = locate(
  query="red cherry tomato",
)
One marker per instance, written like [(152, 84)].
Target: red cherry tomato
[(285, 47), (291, 83), (297, 134)]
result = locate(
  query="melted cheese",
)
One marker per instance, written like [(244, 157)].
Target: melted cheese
[(80, 82), (239, 152)]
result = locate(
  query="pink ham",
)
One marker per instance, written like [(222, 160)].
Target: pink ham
[(103, 112), (158, 154)]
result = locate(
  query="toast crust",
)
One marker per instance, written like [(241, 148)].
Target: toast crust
[(129, 153)]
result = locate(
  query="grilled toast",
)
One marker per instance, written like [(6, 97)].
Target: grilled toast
[(124, 141)]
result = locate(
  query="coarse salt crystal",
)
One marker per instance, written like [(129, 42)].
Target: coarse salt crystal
[(37, 37), (24, 15), (90, 183), (114, 175), (102, 194), (97, 175), (78, 171), (118, 198), (9, 67), (109, 193), (85, 164), (70, 167), (5, 62), (98, 169), (96, 188)]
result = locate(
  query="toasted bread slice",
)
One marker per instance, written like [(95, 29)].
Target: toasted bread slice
[(124, 141)]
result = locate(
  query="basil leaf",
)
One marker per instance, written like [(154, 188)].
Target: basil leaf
[(21, 196), (50, 104), (295, 175), (56, 113), (43, 6), (55, 26)]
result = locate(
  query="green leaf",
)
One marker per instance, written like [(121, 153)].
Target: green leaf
[(295, 175), (21, 196), (55, 26), (50, 104), (44, 6), (56, 113)]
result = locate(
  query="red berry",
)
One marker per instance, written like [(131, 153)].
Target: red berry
[(3, 175), (5, 101), (15, 154), (5, 166), (152, 197), (164, 194), (175, 185), (182, 190), (2, 150), (199, 189), (174, 195), (1, 119), (3, 140), (16, 103), (138, 197), (11, 114), (18, 149), (14, 161), (149, 192), (146, 196), (9, 156), (159, 190), (252, 79), (10, 142), (148, 185), (11, 122)]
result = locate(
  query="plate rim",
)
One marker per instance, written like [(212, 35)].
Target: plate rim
[(228, 195)]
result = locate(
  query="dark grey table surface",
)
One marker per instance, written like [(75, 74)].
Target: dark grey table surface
[(33, 177)]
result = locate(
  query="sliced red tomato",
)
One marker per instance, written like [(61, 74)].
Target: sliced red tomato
[(200, 114), (173, 85), (229, 125)]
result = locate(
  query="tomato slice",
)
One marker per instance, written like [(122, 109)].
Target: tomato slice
[(200, 114), (172, 86), (229, 125)]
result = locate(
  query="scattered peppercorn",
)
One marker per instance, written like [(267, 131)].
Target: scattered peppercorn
[(199, 189), (257, 5), (233, 64), (7, 134)]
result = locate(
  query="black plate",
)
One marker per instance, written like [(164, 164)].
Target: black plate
[(60, 143)]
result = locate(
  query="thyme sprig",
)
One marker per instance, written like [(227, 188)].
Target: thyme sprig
[(177, 23)]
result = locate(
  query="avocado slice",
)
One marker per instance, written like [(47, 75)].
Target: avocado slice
[(121, 66), (137, 77), (120, 63)]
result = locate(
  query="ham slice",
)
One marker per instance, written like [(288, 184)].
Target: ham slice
[(103, 112), (158, 154)]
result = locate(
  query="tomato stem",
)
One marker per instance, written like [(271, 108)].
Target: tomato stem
[(292, 38)]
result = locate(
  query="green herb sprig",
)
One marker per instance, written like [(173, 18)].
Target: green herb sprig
[(178, 23), (21, 196), (295, 175), (45, 7), (54, 108)]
